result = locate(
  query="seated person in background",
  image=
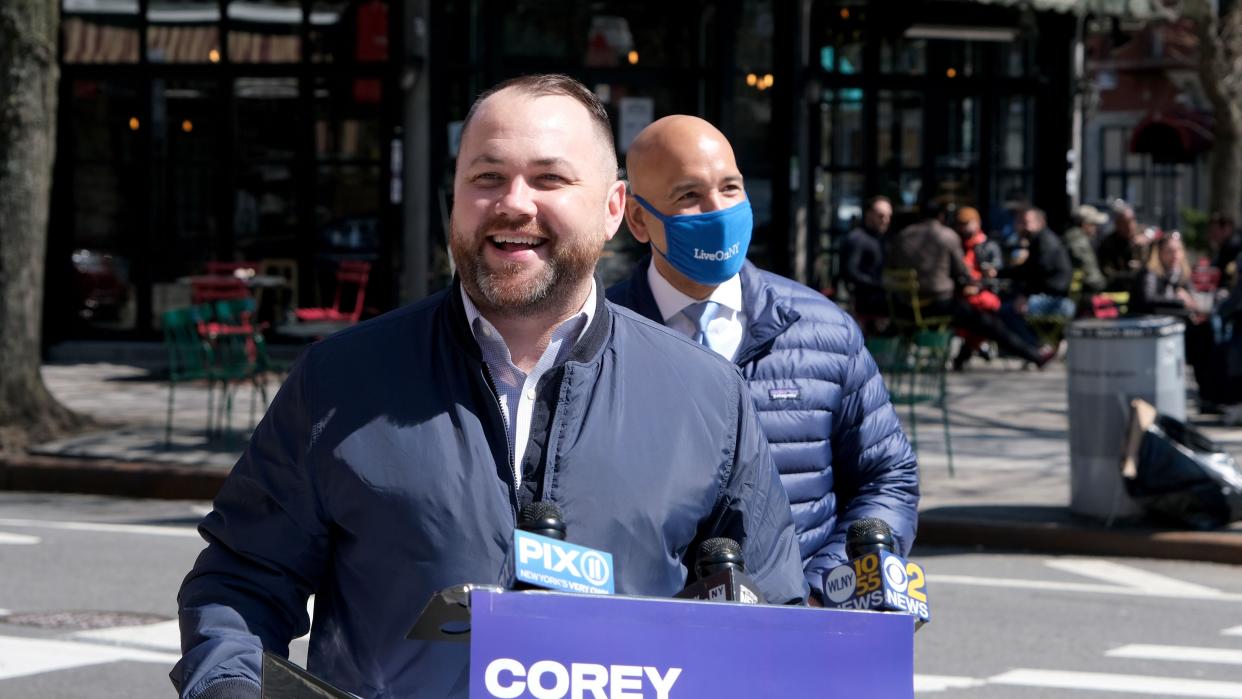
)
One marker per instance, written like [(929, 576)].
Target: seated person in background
[(863, 254), (1043, 273), (983, 259), (1080, 241), (1226, 354), (1164, 286), (1226, 245), (934, 252), (982, 255), (1121, 253)]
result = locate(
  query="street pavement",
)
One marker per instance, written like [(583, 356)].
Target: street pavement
[(1008, 427)]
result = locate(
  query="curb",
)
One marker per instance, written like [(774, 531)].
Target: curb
[(1081, 539), (51, 474)]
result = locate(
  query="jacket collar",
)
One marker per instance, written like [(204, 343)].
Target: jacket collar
[(767, 314), (586, 349)]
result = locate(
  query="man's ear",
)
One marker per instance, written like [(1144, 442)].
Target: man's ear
[(614, 208), (636, 219)]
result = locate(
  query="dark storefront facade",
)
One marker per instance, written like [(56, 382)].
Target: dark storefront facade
[(230, 130), (261, 129)]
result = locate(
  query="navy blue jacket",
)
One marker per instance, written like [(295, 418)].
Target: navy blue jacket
[(380, 475), (824, 408)]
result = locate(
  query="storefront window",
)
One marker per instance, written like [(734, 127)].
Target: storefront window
[(900, 130), (97, 33), (265, 31), (183, 31), (903, 56), (752, 99), (841, 43), (105, 130), (265, 212)]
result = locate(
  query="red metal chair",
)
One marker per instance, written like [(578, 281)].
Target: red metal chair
[(350, 275), (212, 288)]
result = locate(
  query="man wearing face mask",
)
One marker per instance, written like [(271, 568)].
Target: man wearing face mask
[(822, 403)]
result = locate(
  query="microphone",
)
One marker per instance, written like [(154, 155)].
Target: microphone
[(543, 518), (868, 535), (721, 573), (544, 560), (876, 578)]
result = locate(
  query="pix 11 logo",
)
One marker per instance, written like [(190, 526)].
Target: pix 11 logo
[(878, 581), (559, 565)]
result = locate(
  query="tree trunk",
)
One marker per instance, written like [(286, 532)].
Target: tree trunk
[(28, 77), (1225, 163), (1220, 53)]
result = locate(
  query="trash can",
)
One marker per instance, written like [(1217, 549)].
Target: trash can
[(1112, 361)]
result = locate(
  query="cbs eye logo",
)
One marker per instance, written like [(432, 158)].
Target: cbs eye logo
[(895, 574)]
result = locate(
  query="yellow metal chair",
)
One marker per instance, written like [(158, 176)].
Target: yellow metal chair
[(906, 306)]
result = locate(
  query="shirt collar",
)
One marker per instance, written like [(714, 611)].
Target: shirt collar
[(671, 301), (587, 312)]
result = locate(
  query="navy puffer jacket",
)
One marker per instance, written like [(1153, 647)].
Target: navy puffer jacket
[(824, 409)]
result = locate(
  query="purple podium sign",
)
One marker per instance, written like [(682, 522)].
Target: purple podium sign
[(548, 645)]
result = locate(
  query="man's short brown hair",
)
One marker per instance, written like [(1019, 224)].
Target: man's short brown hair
[(557, 84)]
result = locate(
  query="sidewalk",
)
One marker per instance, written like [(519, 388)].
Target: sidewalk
[(1008, 426)]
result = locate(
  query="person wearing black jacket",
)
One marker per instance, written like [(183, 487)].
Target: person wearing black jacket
[(1225, 243), (863, 255), (1041, 278), (1121, 253)]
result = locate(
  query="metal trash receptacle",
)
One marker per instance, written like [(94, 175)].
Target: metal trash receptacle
[(1111, 362)]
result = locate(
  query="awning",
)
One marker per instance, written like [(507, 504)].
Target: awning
[(1136, 9), (1172, 136)]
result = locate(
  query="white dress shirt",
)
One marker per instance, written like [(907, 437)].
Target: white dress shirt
[(724, 333), (515, 388)]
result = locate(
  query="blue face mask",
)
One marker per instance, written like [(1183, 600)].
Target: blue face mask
[(708, 248)]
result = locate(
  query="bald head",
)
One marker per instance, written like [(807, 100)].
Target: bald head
[(681, 166), (675, 153)]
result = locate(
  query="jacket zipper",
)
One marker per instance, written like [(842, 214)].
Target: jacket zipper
[(491, 385)]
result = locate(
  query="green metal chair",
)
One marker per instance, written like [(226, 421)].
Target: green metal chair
[(915, 367), (189, 359), (205, 347), (239, 354)]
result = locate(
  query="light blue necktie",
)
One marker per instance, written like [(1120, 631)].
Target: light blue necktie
[(700, 314)]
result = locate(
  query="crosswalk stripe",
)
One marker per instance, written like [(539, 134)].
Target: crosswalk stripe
[(941, 683), (1227, 656), (1235, 631), (1119, 684), (7, 538), (20, 657), (162, 636), (151, 530), (1129, 576), (1062, 586)]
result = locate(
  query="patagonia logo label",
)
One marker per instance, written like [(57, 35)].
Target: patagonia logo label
[(783, 393)]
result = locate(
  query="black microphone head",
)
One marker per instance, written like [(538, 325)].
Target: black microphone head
[(868, 535), (543, 518), (720, 553)]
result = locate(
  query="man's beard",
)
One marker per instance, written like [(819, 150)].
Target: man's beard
[(510, 289)]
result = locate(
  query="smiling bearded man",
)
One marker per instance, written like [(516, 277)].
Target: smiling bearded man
[(399, 453)]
